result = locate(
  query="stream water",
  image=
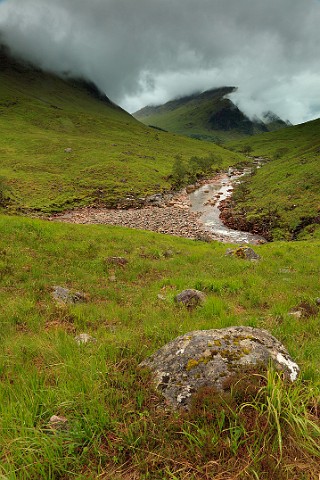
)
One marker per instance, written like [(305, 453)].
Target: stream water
[(203, 201)]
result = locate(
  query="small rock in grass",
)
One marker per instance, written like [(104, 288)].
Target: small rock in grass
[(296, 313), (204, 237), (161, 297), (67, 297), (318, 301), (243, 252), (112, 278), (84, 338), (285, 270), (68, 150), (305, 310), (121, 261), (190, 298), (58, 423)]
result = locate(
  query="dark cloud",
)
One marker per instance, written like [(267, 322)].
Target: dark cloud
[(148, 51)]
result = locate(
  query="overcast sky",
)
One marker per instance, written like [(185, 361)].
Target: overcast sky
[(143, 52)]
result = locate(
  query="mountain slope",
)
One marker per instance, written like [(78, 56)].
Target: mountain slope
[(210, 115), (283, 197), (64, 144)]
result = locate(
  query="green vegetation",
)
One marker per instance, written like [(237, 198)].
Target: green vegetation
[(62, 146), (116, 427), (210, 116), (111, 155), (283, 197), (190, 171)]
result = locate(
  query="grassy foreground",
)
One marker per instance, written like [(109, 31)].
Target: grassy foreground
[(109, 156), (284, 196), (116, 427)]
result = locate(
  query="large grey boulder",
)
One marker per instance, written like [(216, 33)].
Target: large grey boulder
[(211, 358)]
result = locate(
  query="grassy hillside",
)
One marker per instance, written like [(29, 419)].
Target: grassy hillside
[(112, 155), (283, 196), (207, 116), (116, 428)]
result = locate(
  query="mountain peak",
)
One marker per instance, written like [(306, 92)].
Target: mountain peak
[(208, 115)]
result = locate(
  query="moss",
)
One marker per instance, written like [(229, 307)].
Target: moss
[(231, 355), (246, 351), (192, 363), (228, 353)]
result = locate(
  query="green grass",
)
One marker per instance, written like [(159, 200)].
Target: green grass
[(115, 426), (284, 195), (113, 155)]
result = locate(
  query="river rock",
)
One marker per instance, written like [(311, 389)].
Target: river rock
[(155, 200), (190, 298), (66, 296), (211, 358), (190, 188)]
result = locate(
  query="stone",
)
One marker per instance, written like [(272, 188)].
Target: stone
[(243, 252), (58, 423), (190, 189), (305, 310), (67, 297), (190, 298), (84, 338), (68, 150), (318, 301), (121, 261), (204, 237), (296, 313), (209, 358), (156, 200)]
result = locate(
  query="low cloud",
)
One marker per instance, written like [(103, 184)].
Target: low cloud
[(149, 51)]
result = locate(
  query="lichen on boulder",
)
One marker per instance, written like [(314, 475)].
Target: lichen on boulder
[(209, 358)]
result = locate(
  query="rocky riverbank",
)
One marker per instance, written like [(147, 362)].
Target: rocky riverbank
[(170, 216), (238, 221), (201, 211)]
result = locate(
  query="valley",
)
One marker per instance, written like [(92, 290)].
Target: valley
[(120, 219), (193, 213)]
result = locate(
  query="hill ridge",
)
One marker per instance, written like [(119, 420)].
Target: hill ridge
[(208, 115)]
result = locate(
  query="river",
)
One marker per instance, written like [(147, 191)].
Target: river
[(206, 200)]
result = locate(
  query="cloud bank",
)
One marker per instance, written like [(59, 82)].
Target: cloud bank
[(149, 51)]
